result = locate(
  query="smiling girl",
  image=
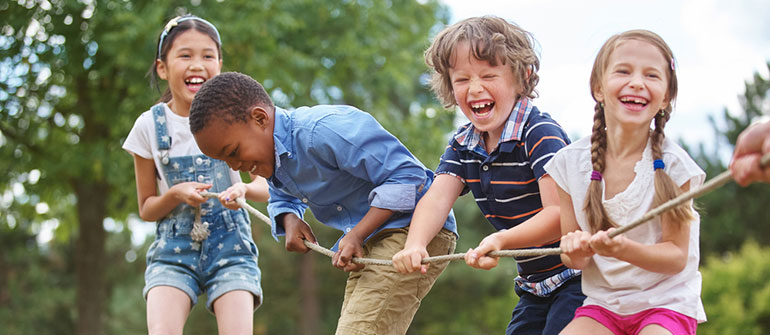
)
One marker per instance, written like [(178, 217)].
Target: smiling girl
[(200, 245), (645, 281)]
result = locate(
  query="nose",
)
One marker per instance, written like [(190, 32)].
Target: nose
[(233, 164), (475, 86), (636, 82)]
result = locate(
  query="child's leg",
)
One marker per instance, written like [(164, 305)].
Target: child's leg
[(564, 301), (529, 315), (665, 321), (235, 312), (379, 300), (167, 310), (585, 325)]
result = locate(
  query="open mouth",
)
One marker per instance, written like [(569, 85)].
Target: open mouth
[(634, 102), (194, 83), (482, 109), (253, 169)]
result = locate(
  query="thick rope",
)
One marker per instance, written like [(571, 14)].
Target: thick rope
[(707, 187)]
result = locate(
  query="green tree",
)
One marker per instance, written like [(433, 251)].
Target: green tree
[(732, 213), (736, 293)]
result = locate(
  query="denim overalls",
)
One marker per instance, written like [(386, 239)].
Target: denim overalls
[(224, 261)]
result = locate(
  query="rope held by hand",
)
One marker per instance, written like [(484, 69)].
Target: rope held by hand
[(707, 187)]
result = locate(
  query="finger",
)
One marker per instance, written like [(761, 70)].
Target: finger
[(416, 262), (470, 257), (424, 268)]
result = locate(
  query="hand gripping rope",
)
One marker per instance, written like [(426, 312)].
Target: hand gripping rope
[(707, 187)]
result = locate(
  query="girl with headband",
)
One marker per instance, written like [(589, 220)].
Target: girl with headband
[(201, 246)]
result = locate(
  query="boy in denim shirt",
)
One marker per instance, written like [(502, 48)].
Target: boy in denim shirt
[(487, 67), (339, 162)]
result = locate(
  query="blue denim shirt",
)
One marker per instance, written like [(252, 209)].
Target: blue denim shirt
[(339, 161)]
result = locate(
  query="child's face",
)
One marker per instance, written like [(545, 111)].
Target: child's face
[(244, 146), (486, 94), (635, 84), (192, 59)]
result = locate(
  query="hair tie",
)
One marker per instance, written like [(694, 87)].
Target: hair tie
[(596, 175), (658, 164), (179, 19)]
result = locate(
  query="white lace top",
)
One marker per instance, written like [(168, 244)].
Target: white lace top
[(617, 285)]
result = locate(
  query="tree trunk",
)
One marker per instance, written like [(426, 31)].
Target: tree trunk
[(309, 296), (90, 257)]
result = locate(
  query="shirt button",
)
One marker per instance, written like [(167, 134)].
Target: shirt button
[(485, 167), (201, 178), (339, 208), (304, 200), (199, 161)]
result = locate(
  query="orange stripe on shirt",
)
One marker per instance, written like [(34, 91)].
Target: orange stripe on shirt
[(545, 138), (551, 268), (513, 217), (512, 182), (473, 180)]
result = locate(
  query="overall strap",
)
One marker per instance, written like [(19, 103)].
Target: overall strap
[(161, 132)]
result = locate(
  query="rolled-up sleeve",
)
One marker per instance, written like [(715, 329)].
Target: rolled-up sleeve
[(281, 203), (356, 143)]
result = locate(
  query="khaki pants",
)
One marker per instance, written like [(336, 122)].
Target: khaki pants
[(381, 301)]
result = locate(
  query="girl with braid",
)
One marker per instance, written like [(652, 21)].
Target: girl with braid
[(645, 281)]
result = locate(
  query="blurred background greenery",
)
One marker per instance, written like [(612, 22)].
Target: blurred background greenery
[(72, 82)]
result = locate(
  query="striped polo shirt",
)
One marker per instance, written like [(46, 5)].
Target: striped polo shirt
[(505, 181)]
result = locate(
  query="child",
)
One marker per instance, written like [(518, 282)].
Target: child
[(752, 144), (199, 245), (647, 280), (487, 67), (353, 174)]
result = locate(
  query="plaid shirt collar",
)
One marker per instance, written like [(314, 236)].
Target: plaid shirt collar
[(512, 131)]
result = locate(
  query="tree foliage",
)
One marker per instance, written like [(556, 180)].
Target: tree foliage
[(732, 214)]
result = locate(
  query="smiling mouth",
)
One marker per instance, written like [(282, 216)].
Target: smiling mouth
[(253, 169), (634, 101), (482, 109), (194, 82)]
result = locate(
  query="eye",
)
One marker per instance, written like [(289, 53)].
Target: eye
[(490, 76), (233, 153), (653, 75), (460, 80)]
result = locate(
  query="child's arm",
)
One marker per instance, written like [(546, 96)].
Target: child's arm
[(427, 221), (352, 243), (669, 256), (576, 251), (256, 190), (153, 207), (540, 229)]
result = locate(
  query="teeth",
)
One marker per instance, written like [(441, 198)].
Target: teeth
[(478, 106), (634, 100), (196, 80), (253, 169)]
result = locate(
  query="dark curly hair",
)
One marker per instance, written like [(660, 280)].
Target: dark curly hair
[(228, 96)]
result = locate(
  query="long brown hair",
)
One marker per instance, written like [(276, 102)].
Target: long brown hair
[(665, 188)]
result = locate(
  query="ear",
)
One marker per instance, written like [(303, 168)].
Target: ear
[(599, 96), (260, 116), (160, 68)]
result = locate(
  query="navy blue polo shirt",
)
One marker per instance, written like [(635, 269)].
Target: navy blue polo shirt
[(504, 182)]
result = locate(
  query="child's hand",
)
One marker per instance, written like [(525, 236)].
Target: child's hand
[(603, 245), (746, 170), (576, 244), (350, 246), (297, 231), (410, 259), (227, 198), (190, 192), (477, 258)]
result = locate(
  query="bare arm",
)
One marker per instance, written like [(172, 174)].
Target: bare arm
[(428, 219), (153, 207), (576, 252)]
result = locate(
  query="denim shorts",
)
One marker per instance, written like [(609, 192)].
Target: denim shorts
[(546, 315), (225, 261)]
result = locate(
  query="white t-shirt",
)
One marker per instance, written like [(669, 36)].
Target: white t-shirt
[(617, 285), (142, 141)]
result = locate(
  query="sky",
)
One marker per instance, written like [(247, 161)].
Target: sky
[(718, 45)]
